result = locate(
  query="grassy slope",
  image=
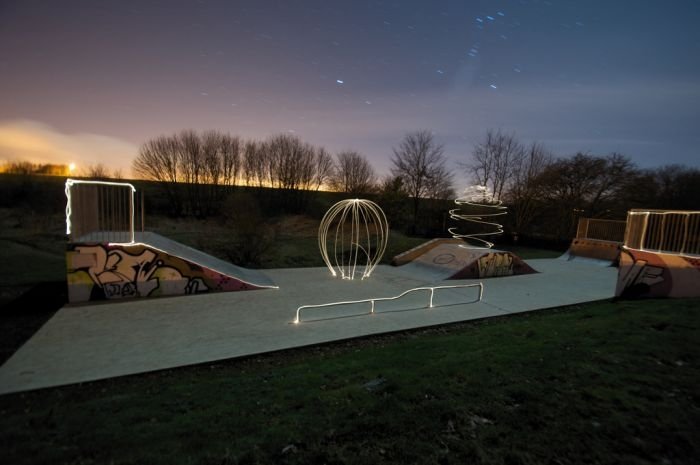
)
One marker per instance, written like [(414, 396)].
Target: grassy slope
[(598, 383)]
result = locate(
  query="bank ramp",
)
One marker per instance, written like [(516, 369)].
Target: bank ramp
[(442, 259), (150, 266)]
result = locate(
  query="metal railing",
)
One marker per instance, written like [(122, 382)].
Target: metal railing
[(602, 230), (432, 290), (100, 211), (668, 231)]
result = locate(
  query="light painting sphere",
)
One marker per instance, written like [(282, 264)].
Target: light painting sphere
[(352, 237)]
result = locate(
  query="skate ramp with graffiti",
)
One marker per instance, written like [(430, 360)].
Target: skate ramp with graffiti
[(661, 254), (450, 259), (150, 266), (645, 273)]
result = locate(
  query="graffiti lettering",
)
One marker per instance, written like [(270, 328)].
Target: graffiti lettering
[(119, 273), (495, 264)]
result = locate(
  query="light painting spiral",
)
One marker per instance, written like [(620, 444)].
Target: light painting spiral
[(483, 209)]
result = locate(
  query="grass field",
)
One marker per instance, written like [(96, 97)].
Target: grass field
[(602, 383)]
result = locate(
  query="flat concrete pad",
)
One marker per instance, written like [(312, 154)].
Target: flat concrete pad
[(91, 342)]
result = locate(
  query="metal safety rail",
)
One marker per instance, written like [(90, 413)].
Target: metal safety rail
[(432, 290), (602, 230), (100, 211), (667, 231)]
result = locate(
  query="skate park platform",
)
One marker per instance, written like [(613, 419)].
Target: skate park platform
[(102, 340)]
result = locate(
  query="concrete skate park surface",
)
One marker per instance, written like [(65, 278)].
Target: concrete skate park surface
[(92, 342)]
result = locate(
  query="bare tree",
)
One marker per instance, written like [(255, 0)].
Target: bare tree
[(210, 157), (420, 162), (254, 163), (98, 171), (29, 168), (291, 162), (292, 166), (440, 186), (230, 153), (678, 187), (494, 161), (158, 160), (210, 193), (523, 192), (583, 185), (191, 164), (353, 174), (324, 167)]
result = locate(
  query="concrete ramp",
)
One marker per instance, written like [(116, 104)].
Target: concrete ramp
[(411, 254), (646, 273), (150, 266), (605, 253), (454, 260)]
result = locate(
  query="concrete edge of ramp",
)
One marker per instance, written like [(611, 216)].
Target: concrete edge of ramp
[(411, 254), (593, 249)]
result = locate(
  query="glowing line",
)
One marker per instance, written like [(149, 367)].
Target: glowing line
[(663, 252), (476, 196), (69, 211), (297, 319), (359, 213)]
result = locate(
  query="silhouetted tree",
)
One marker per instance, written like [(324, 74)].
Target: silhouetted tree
[(230, 155), (393, 200), (324, 167), (158, 160), (523, 194), (29, 168), (494, 161), (98, 171), (420, 163), (584, 185), (353, 174), (255, 165), (192, 168)]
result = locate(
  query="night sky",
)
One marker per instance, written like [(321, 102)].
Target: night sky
[(89, 81)]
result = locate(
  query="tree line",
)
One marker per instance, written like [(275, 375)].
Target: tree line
[(194, 167), (546, 194)]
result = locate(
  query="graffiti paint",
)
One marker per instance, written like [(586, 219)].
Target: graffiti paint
[(495, 264), (111, 271), (452, 260), (651, 274)]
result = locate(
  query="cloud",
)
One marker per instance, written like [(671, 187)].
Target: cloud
[(36, 142)]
